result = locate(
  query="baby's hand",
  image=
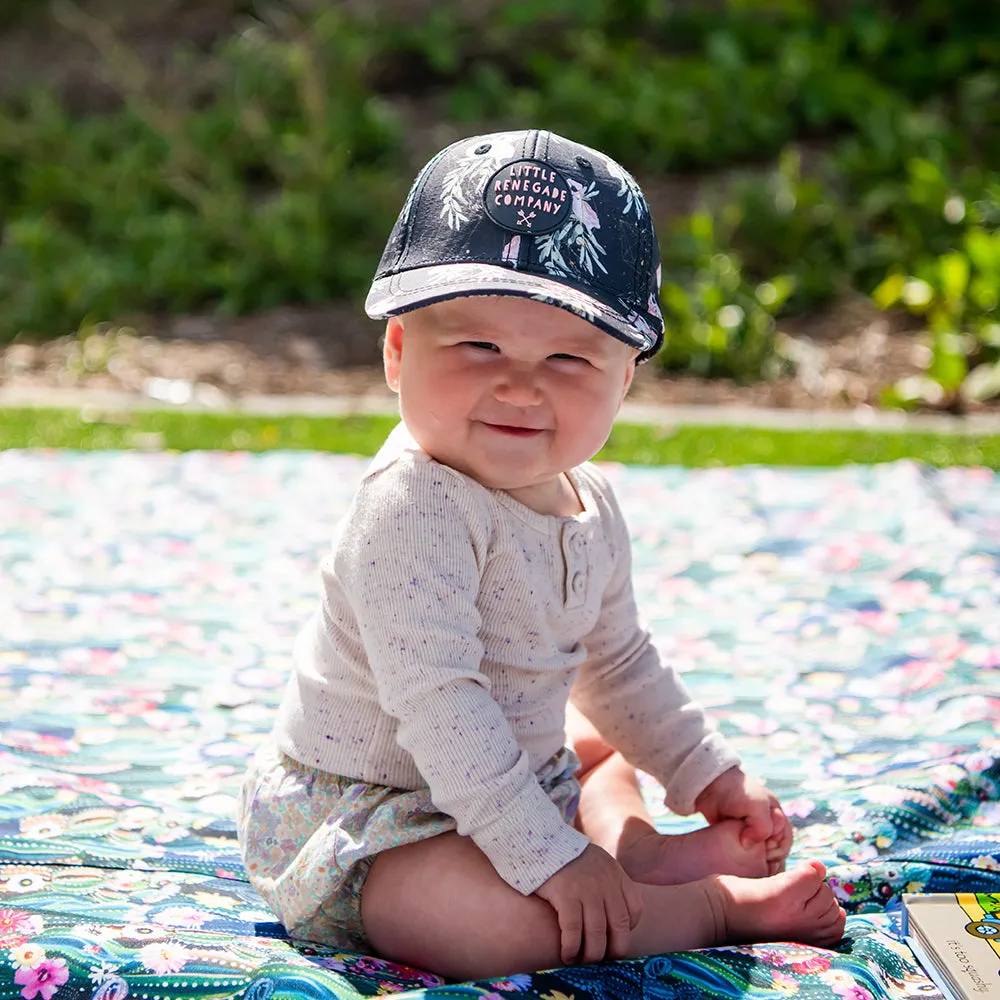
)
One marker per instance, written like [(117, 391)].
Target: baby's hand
[(597, 906), (735, 795)]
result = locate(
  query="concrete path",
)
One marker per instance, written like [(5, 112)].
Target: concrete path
[(861, 418)]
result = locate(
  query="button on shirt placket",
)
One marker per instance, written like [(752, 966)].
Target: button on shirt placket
[(574, 546)]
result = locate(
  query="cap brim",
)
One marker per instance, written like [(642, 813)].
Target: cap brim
[(422, 286)]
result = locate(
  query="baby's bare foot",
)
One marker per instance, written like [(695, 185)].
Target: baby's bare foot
[(658, 859), (793, 906)]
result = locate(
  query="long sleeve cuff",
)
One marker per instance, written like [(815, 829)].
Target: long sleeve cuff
[(710, 758), (543, 842)]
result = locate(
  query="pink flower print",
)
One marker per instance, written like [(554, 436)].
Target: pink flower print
[(782, 981), (948, 647), (842, 890), (335, 962), (819, 712), (180, 916), (125, 880), (811, 964), (843, 558), (991, 658), (16, 927), (43, 743), (581, 207), (864, 852), (988, 815), (163, 957), (43, 979), (799, 808), (519, 981), (852, 991), (772, 956), (976, 763), (753, 724), (906, 595), (879, 621), (426, 978), (110, 794), (921, 675), (511, 250), (851, 815), (371, 966)]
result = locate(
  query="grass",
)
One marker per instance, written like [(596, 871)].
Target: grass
[(361, 435)]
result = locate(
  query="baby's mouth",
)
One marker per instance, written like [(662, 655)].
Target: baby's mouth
[(513, 430)]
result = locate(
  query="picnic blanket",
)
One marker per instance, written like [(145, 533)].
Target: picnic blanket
[(840, 625)]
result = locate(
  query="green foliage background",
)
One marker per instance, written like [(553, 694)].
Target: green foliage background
[(848, 148)]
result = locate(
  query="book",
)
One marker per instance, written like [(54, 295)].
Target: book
[(956, 938)]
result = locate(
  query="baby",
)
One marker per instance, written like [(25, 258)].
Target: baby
[(451, 781)]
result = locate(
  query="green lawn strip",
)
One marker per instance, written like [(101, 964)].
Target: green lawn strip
[(728, 445), (190, 431), (634, 444)]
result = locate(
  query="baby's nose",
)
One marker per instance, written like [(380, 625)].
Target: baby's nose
[(518, 388)]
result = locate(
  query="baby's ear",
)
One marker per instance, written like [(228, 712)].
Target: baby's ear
[(629, 375), (392, 351)]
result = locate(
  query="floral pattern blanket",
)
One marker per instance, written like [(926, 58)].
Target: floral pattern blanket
[(842, 626)]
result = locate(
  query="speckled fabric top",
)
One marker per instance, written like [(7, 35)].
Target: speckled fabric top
[(452, 625)]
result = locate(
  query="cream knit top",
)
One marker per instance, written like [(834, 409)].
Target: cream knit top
[(452, 624)]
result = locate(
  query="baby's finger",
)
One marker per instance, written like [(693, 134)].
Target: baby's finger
[(595, 933), (781, 827), (619, 923), (779, 844), (570, 932), (756, 827)]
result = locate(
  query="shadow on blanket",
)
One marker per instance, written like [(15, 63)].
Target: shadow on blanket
[(842, 626)]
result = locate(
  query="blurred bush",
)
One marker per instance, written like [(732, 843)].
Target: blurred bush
[(279, 188), (848, 147)]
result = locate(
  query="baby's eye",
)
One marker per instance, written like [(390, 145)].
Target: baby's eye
[(569, 357), (480, 345)]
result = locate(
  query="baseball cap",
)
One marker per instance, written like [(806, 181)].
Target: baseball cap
[(531, 214)]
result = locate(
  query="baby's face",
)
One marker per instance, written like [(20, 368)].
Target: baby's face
[(509, 391)]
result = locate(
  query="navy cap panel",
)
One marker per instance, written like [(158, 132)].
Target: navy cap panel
[(396, 245), (542, 205)]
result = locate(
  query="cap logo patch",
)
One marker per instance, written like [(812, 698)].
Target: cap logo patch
[(527, 197)]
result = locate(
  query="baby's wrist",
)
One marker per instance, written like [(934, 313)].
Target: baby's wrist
[(734, 773)]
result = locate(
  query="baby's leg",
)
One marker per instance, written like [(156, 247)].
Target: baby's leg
[(614, 816), (439, 905)]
